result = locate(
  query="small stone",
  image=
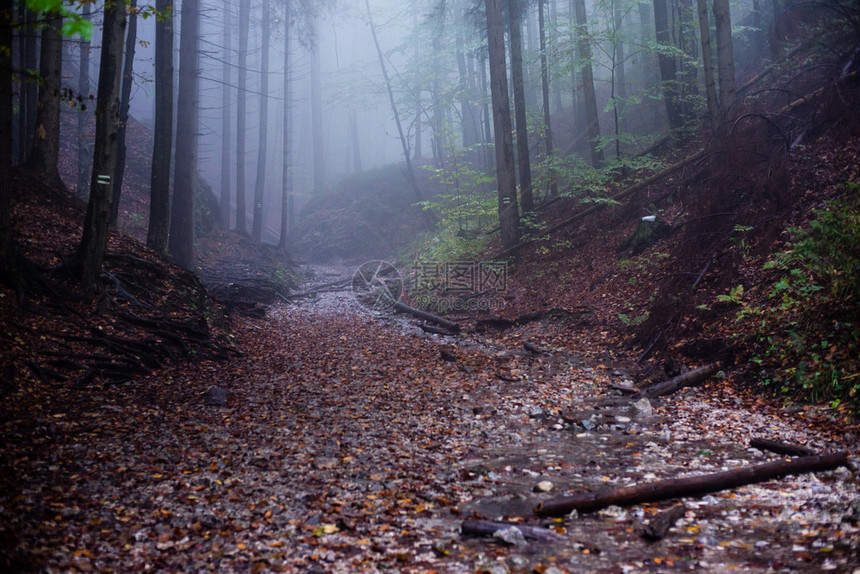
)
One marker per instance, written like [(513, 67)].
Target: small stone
[(511, 536), (643, 407), (544, 486), (216, 397), (720, 375)]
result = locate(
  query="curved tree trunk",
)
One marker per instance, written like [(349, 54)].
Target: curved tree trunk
[(162, 153)]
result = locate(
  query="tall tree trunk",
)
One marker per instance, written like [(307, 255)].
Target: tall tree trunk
[(553, 21), (725, 53), (260, 185), (226, 123), (241, 116), (707, 63), (316, 110), (687, 44), (489, 157), (668, 66), (509, 218), (286, 172), (30, 87), (591, 117), (181, 243), (124, 106), (94, 241), (429, 216), (523, 160), (468, 118), (7, 245), (85, 154), (419, 109), (162, 152), (544, 76), (356, 142), (45, 155)]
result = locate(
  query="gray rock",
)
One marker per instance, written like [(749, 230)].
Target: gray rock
[(643, 407), (216, 397)]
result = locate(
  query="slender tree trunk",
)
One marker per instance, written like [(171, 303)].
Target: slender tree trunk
[(162, 152), (668, 67), (124, 106), (30, 88), (591, 117), (286, 200), (260, 186), (181, 243), (404, 143), (725, 53), (553, 21), (468, 120), (7, 245), (241, 115), (687, 44), (419, 109), (509, 219), (487, 121), (316, 110), (85, 154), (226, 123), (45, 155), (94, 241), (356, 142), (523, 160), (707, 63), (544, 76)]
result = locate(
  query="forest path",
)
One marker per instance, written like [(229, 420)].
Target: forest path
[(347, 445)]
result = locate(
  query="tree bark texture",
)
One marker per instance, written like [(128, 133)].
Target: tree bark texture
[(124, 106), (45, 154), (544, 76), (707, 60), (517, 77), (6, 243), (585, 55), (85, 152), (162, 152), (260, 184), (94, 241), (181, 242), (725, 53), (505, 176), (286, 172), (241, 116), (226, 120), (668, 66)]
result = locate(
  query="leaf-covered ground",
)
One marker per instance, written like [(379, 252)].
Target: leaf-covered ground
[(348, 445)]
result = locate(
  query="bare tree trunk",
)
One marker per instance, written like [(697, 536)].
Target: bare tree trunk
[(725, 53), (124, 106), (316, 110), (707, 63), (260, 185), (45, 155), (544, 76), (689, 68), (485, 113), (286, 200), (226, 123), (591, 116), (30, 89), (181, 243), (356, 142), (509, 220), (404, 143), (516, 45), (162, 152), (668, 67), (94, 241), (7, 245), (85, 154), (241, 115)]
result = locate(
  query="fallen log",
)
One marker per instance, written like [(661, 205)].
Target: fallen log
[(688, 379), (402, 307), (659, 526), (780, 447), (690, 486), (488, 528)]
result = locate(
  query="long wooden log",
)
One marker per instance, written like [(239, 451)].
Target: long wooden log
[(404, 308), (780, 447), (488, 528), (690, 486), (688, 379)]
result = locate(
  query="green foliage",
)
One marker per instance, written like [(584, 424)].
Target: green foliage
[(807, 334), (73, 23)]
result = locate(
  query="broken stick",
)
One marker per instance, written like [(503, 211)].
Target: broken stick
[(659, 526), (690, 486), (488, 528), (688, 379), (780, 447)]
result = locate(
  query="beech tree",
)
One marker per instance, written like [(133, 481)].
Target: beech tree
[(85, 154), (91, 251), (523, 160), (585, 55), (124, 107), (259, 186), (7, 245), (162, 153), (45, 153), (241, 115), (509, 219), (226, 123), (286, 198), (725, 53), (181, 242)]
